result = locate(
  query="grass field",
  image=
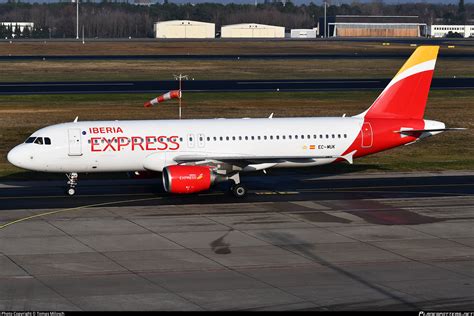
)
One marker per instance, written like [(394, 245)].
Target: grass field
[(17, 71), (212, 47), (22, 115)]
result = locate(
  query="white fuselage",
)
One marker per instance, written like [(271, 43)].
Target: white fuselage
[(112, 146)]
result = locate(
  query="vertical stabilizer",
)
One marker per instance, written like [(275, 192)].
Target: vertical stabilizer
[(406, 95)]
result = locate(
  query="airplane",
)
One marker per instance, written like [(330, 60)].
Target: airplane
[(194, 154)]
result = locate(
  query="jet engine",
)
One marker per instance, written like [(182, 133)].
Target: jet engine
[(188, 179)]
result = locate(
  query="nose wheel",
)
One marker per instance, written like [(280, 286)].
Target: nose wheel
[(72, 183)]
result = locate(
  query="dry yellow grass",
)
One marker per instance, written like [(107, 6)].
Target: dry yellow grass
[(205, 70), (218, 46)]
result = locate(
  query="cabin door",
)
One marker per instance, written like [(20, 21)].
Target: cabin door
[(75, 145)]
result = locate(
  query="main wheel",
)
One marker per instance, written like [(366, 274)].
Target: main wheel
[(239, 190), (71, 191)]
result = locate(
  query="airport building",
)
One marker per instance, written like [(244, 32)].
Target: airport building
[(20, 25), (371, 26), (304, 33), (184, 29), (252, 30), (443, 30)]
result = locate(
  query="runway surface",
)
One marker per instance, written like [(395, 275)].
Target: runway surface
[(84, 87), (296, 56), (299, 241)]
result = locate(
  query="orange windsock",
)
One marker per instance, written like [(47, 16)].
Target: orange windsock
[(173, 94)]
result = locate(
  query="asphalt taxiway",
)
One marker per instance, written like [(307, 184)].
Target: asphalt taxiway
[(88, 87), (298, 241)]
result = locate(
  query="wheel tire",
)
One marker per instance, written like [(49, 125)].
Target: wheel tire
[(239, 190), (71, 191)]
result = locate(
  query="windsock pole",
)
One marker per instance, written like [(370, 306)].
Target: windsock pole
[(180, 77), (180, 97)]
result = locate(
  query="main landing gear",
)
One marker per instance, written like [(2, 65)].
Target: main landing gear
[(238, 190), (72, 182)]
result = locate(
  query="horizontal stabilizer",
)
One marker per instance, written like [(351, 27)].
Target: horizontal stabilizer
[(418, 131)]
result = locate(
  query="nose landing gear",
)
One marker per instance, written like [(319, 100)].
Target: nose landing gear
[(72, 183)]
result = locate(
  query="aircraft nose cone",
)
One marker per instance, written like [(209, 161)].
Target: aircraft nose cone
[(15, 157)]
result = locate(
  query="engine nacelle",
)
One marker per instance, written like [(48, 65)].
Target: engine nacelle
[(187, 179)]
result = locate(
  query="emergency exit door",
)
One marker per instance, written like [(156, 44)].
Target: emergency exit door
[(75, 146), (367, 135)]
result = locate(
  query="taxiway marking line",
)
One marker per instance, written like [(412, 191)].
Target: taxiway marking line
[(260, 192), (75, 209), (392, 186), (65, 196)]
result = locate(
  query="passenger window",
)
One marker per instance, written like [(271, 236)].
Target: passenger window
[(252, 138), (320, 136), (30, 140), (296, 136), (265, 137), (338, 135), (221, 138), (240, 137), (333, 136), (246, 138), (284, 137), (289, 136), (277, 137), (271, 137), (345, 135), (327, 136), (208, 139), (39, 141), (233, 137), (302, 136), (315, 136), (181, 139), (258, 137)]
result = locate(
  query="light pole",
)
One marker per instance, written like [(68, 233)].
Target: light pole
[(180, 77), (325, 24), (77, 18)]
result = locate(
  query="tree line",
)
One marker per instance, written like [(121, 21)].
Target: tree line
[(121, 19)]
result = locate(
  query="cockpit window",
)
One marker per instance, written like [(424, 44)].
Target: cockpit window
[(47, 141), (39, 141), (30, 140)]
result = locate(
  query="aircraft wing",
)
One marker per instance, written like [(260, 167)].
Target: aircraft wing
[(247, 159)]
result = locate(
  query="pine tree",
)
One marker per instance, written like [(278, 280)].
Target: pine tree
[(10, 31), (462, 12), (26, 32), (17, 31), (3, 31)]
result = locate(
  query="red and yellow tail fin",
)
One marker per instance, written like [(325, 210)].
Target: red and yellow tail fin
[(406, 95)]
